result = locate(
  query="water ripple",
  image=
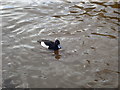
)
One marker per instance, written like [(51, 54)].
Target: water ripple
[(24, 46), (88, 32)]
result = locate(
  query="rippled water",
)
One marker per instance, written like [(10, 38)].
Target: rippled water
[(88, 32)]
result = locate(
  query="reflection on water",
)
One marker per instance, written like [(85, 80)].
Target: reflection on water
[(57, 55), (88, 32)]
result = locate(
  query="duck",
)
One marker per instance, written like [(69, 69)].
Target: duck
[(50, 44)]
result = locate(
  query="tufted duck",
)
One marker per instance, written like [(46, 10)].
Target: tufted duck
[(50, 44)]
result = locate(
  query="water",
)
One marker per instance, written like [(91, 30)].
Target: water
[(88, 32)]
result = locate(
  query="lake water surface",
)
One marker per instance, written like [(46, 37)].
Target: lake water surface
[(88, 32)]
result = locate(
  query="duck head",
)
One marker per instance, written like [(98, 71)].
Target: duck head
[(57, 43)]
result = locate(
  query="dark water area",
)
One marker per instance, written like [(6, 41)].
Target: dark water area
[(88, 32)]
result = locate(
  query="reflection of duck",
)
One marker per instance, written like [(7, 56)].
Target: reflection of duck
[(57, 55), (50, 44)]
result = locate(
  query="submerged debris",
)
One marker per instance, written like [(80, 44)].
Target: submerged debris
[(92, 47), (96, 80), (111, 36), (107, 64), (107, 71), (88, 61)]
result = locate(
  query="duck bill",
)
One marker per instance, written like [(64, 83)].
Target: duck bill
[(59, 47)]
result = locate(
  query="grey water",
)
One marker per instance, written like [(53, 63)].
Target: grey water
[(88, 32)]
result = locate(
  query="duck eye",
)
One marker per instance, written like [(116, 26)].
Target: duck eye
[(57, 42)]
